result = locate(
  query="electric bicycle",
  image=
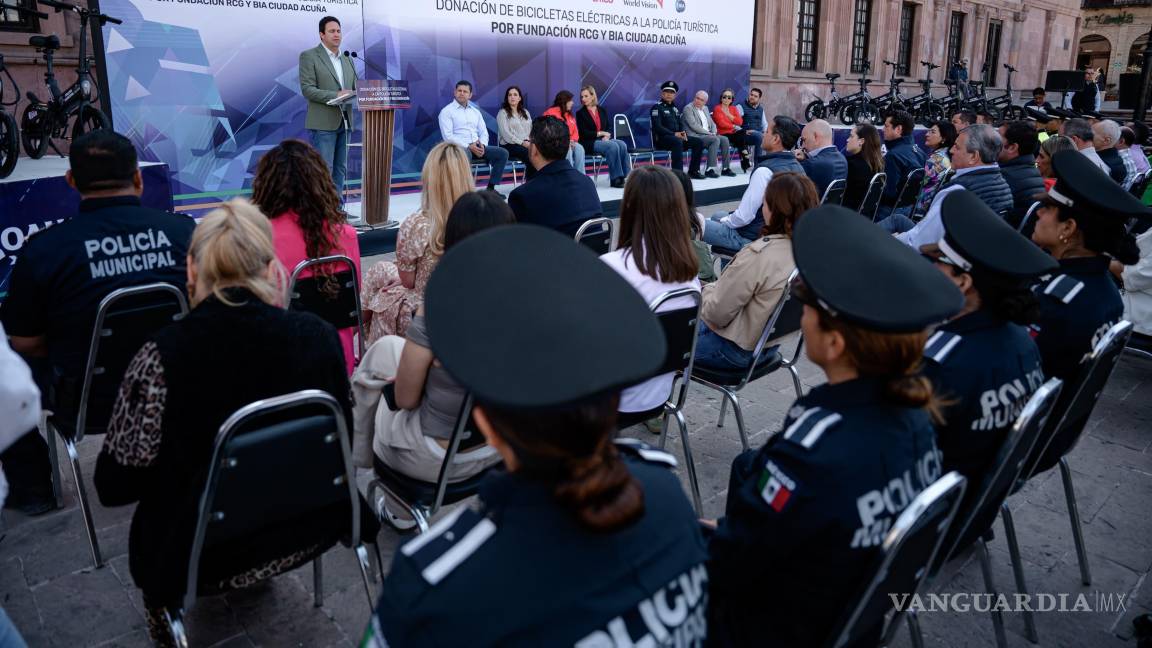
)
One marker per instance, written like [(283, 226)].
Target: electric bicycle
[(818, 108), (858, 107), (9, 131)]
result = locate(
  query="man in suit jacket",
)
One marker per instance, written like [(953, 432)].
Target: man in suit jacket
[(326, 75), (698, 123), (821, 160), (559, 197)]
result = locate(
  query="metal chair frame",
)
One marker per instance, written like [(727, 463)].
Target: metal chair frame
[(834, 188), (607, 225), (90, 370), (875, 184), (621, 121), (903, 200), (261, 408), (731, 393), (1027, 216), (291, 293)]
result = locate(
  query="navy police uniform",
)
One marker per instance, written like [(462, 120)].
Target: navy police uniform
[(665, 124), (807, 513), (519, 568)]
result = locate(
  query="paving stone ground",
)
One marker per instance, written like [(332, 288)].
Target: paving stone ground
[(50, 590)]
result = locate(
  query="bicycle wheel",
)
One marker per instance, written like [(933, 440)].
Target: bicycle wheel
[(35, 130), (867, 112), (1014, 113), (9, 144), (848, 114), (89, 120), (933, 111), (814, 110)]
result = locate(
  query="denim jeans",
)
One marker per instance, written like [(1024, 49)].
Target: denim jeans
[(616, 153), (716, 352), (898, 222), (719, 234), (333, 147), (576, 157), (9, 635), (497, 158), (754, 139)]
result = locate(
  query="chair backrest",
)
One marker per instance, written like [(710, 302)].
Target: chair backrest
[(1140, 183), (622, 129), (910, 190), (871, 203), (312, 294), (246, 493), (983, 503), (785, 319), (125, 319), (834, 194), (908, 551), (596, 233), (1028, 216), (680, 327)]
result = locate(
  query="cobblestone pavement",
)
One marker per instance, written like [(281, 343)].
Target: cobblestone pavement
[(55, 598)]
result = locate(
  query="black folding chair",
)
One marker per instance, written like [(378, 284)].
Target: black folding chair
[(908, 551), (82, 404), (1024, 222), (341, 309), (246, 496), (910, 188), (834, 193), (1140, 184), (622, 130), (423, 499), (597, 234), (870, 206), (785, 319)]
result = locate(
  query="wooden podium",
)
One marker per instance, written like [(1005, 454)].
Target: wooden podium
[(379, 101)]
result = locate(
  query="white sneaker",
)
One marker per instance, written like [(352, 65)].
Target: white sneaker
[(399, 521)]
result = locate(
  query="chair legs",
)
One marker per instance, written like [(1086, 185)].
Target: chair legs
[(362, 559), (1018, 570), (1074, 518), (914, 633), (175, 621), (689, 463), (318, 581), (54, 459), (990, 586), (796, 380), (85, 508)]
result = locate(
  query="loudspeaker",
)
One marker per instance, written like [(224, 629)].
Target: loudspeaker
[(1064, 80)]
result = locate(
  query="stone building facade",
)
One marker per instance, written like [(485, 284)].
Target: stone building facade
[(798, 41), (1113, 36)]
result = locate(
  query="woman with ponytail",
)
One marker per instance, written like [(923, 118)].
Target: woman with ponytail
[(581, 539), (807, 513), (237, 346)]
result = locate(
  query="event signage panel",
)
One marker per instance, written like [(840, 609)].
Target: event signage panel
[(374, 94)]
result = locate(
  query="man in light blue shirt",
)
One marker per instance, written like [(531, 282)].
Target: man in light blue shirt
[(462, 123)]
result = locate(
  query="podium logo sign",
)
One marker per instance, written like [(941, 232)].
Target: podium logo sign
[(376, 94)]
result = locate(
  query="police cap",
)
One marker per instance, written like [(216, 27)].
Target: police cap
[(669, 86), (1037, 114), (859, 273), (976, 237), (1083, 187), (524, 317)]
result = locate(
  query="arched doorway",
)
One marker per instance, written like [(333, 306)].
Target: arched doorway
[(1136, 54), (1095, 50)]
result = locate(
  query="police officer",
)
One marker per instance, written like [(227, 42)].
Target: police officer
[(582, 541), (66, 270), (1082, 223), (807, 512), (983, 362), (668, 132)]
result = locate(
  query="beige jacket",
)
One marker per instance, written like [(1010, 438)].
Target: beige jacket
[(738, 305)]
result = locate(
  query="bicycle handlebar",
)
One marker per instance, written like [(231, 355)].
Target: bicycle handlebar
[(1009, 68), (23, 10), (64, 6)]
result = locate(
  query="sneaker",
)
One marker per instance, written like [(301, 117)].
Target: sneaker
[(380, 503), (744, 163), (493, 190), (655, 425), (728, 173), (711, 174)]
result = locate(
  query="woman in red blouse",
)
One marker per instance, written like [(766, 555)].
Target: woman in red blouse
[(730, 124), (562, 109)]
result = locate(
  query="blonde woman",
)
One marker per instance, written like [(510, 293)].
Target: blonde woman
[(393, 290), (238, 345), (593, 126)]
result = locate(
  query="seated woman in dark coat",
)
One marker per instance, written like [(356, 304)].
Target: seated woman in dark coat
[(865, 160), (235, 347)]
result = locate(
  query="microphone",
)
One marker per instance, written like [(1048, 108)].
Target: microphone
[(352, 54)]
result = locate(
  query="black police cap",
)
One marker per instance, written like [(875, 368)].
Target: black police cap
[(861, 274), (1085, 188), (976, 237), (1037, 114), (669, 85), (523, 317)]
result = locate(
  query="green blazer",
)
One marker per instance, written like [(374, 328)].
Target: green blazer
[(318, 84)]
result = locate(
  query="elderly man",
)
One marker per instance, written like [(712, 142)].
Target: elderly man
[(821, 160), (698, 123), (974, 158), (1080, 132), (1105, 139)]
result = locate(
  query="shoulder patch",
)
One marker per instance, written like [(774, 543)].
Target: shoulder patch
[(1064, 288), (810, 426), (644, 452), (655, 112), (449, 542), (776, 488), (940, 345)]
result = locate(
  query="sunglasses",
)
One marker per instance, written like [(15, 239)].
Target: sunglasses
[(726, 96)]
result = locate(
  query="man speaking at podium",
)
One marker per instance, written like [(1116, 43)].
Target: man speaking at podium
[(326, 76)]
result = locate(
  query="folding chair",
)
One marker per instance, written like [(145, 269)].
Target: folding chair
[(870, 206), (247, 496), (834, 193), (598, 234), (83, 404), (598, 162), (476, 166), (309, 294), (910, 188), (423, 499), (1140, 184), (622, 130), (1028, 217), (1139, 346), (908, 551), (785, 319)]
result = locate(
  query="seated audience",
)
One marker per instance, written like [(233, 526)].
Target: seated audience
[(1139, 158), (865, 159), (730, 123), (734, 230), (411, 434), (737, 306), (462, 124), (1079, 130), (698, 123), (559, 197), (582, 533), (821, 160), (962, 119), (1018, 166), (1124, 148), (668, 132), (561, 109), (753, 114), (1105, 139), (903, 157), (654, 255), (307, 222), (393, 290), (513, 123), (1038, 100), (67, 269), (1048, 148), (1137, 280), (939, 139), (696, 226), (237, 346), (592, 124), (808, 511)]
